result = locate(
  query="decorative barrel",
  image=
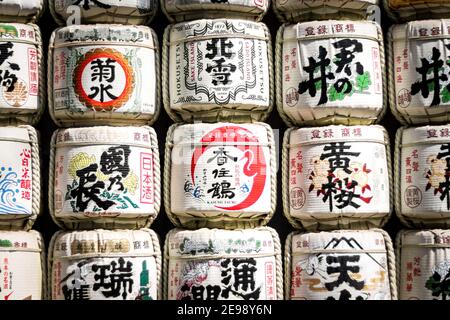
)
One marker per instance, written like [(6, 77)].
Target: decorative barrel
[(22, 91), (220, 175), (419, 86), (407, 10), (21, 10), (104, 177), (422, 170), (423, 264), (20, 178), (105, 265), (216, 264), (340, 265), (301, 10), (184, 10), (217, 70), (103, 74), (331, 72), (70, 12), (337, 177)]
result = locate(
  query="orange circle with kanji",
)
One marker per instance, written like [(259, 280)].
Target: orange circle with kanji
[(104, 80)]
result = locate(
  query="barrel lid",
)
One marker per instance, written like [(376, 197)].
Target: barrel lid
[(436, 237), (426, 134), (422, 30), (140, 136), (320, 135), (113, 33), (20, 241), (218, 242), (205, 28), (339, 241), (7, 133), (17, 31), (220, 132), (332, 29), (104, 242)]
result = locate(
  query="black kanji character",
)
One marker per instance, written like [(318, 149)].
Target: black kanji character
[(430, 84), (221, 72), (222, 157), (313, 83), (103, 71), (345, 295), (219, 48), (337, 152), (444, 187), (87, 2), (343, 268), (222, 173), (88, 189), (242, 271), (115, 159), (345, 56), (212, 292), (222, 190), (114, 278), (81, 293)]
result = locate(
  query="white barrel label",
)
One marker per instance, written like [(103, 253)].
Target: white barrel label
[(19, 67), (227, 169), (339, 266)]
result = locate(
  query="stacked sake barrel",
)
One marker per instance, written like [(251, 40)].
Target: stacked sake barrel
[(22, 96), (220, 165), (419, 98), (104, 185), (336, 170)]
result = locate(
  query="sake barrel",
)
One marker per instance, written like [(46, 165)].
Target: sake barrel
[(340, 265), (217, 264), (422, 168), (22, 91), (423, 264), (183, 10), (337, 177), (220, 175), (217, 70), (407, 10), (419, 82), (105, 265), (307, 10), (104, 74), (21, 10), (104, 177), (330, 72), (20, 191), (22, 266), (77, 12)]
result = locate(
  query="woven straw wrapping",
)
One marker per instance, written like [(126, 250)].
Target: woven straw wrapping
[(22, 265), (220, 175), (421, 166), (363, 96), (131, 84), (309, 256), (310, 173), (22, 102), (206, 257), (409, 10), (20, 178), (21, 11), (296, 11), (123, 165), (79, 259), (125, 12), (217, 70), (423, 264), (182, 10), (410, 46)]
